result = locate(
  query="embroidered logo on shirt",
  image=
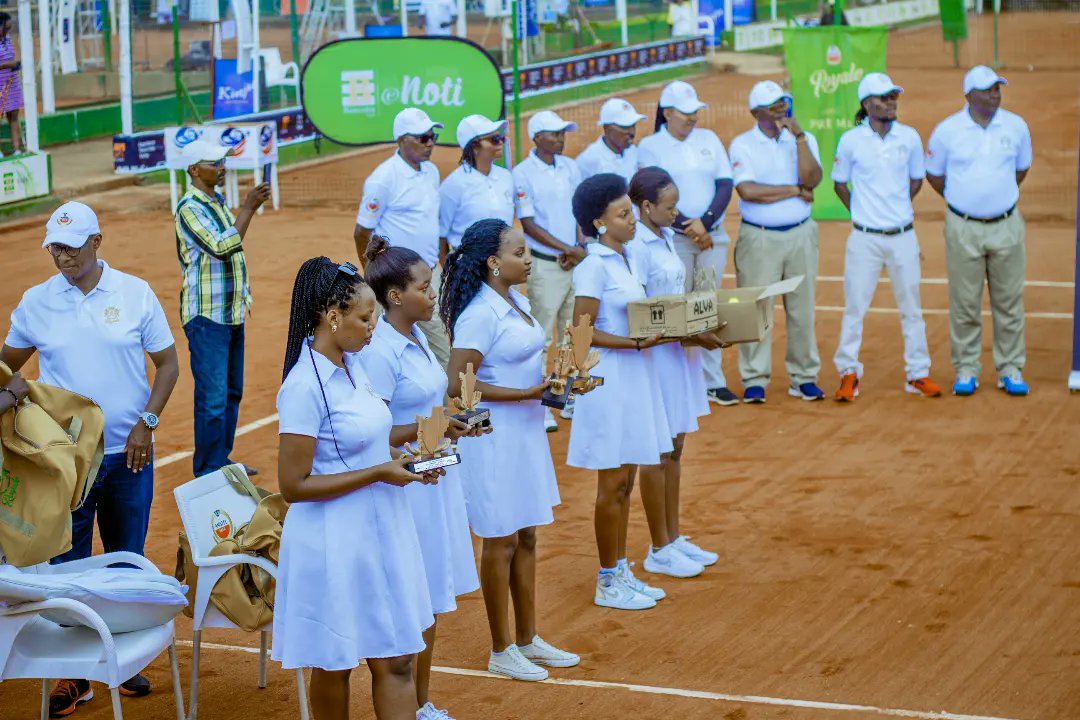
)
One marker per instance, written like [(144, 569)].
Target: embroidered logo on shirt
[(372, 205), (221, 524), (64, 219), (736, 164), (371, 391), (112, 315), (521, 194)]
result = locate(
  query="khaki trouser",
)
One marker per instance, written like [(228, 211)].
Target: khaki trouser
[(433, 329), (763, 257), (551, 295), (992, 253), (699, 264)]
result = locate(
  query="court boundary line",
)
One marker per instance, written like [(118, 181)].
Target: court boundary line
[(679, 692), (939, 281)]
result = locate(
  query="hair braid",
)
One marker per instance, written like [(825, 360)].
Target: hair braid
[(468, 153), (466, 268), (319, 286)]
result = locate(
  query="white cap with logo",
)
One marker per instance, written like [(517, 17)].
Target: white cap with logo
[(765, 93), (875, 84), (474, 126), (203, 151), (981, 77), (413, 121), (617, 111), (681, 96), (548, 121), (71, 224)]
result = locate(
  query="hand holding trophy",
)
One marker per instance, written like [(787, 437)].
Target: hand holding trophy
[(573, 361), (433, 449), (470, 414)]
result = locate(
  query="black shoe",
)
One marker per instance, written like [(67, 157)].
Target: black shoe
[(68, 695), (137, 686), (723, 396)]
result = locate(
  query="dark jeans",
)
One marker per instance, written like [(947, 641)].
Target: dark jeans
[(217, 364), (121, 499)]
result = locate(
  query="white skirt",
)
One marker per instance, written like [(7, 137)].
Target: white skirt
[(509, 478), (682, 382), (348, 581), (622, 422), (442, 525)]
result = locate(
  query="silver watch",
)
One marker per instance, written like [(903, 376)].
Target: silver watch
[(149, 419)]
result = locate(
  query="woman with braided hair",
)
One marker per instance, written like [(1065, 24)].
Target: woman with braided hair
[(509, 477), (349, 557)]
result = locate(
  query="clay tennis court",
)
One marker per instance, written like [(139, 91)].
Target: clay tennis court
[(897, 557)]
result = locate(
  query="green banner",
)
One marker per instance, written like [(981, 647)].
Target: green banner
[(825, 65), (953, 19), (352, 89)]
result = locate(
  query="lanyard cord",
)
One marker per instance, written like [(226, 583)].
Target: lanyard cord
[(333, 434)]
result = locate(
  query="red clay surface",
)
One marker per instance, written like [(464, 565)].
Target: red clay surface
[(898, 552)]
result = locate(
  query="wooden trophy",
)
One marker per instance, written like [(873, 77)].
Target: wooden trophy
[(432, 449), (573, 361), (470, 414)]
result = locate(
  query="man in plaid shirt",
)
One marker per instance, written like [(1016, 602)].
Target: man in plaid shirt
[(214, 299)]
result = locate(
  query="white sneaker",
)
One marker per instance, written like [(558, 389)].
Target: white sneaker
[(567, 413), (430, 712), (541, 653), (669, 561), (692, 551), (637, 585), (613, 592), (549, 422), (511, 663)]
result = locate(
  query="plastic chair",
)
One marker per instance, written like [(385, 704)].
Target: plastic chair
[(197, 501), (276, 73), (33, 647)]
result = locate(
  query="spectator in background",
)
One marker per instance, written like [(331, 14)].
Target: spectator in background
[(439, 16), (11, 98), (681, 18), (828, 14)]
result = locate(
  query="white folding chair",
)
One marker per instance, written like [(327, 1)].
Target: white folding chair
[(277, 73), (197, 501), (33, 647)]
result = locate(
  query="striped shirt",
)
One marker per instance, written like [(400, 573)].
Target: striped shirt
[(211, 256)]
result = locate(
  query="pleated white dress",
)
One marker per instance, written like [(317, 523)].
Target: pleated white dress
[(410, 379), (678, 369), (509, 476), (349, 568), (622, 422)]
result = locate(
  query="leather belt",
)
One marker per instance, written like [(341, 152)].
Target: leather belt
[(997, 218), (544, 256), (777, 228), (879, 231)]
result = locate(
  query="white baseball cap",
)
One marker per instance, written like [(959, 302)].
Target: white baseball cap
[(981, 77), (474, 126), (765, 93), (413, 121), (203, 151), (548, 121), (681, 96), (875, 84), (71, 224), (617, 111)]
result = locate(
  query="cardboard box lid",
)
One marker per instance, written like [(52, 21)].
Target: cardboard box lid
[(781, 288)]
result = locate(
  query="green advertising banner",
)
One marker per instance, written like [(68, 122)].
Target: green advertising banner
[(825, 65), (953, 19), (352, 89)]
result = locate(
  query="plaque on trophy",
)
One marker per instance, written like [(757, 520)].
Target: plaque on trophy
[(470, 414), (433, 449), (571, 366)]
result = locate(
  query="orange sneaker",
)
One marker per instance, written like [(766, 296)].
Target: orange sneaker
[(923, 386), (849, 387)]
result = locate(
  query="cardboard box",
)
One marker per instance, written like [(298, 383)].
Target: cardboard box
[(673, 315), (748, 311)]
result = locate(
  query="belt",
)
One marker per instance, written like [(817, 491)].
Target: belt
[(544, 256), (878, 231), (777, 228), (997, 218)]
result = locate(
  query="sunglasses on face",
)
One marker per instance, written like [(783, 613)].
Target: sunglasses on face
[(216, 164), (428, 137), (496, 139), (56, 249)]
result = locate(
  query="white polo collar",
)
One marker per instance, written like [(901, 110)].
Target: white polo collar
[(497, 302), (760, 134), (108, 281), (389, 334), (969, 121), (325, 367)]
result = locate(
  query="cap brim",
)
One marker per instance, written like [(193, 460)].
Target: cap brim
[(626, 122), (494, 127), (773, 101), (63, 237), (219, 154), (431, 127), (564, 127), (690, 107), (997, 81)]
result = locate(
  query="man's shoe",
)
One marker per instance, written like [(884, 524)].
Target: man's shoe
[(511, 663), (965, 385), (613, 592), (923, 386), (806, 391), (549, 422), (1013, 384), (669, 561), (567, 413), (628, 577), (754, 394), (539, 652), (849, 387), (137, 686), (68, 695), (692, 551), (723, 396)]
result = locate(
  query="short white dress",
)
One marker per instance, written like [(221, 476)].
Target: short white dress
[(509, 476), (678, 369), (410, 379), (622, 422), (348, 567)]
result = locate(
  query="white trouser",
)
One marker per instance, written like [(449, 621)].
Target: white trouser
[(866, 253), (711, 261)]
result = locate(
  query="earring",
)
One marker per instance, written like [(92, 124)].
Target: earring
[(397, 302), (495, 272), (601, 229), (333, 327)]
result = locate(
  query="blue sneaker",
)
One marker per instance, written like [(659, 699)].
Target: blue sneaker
[(1013, 384), (965, 385), (754, 394), (806, 391)]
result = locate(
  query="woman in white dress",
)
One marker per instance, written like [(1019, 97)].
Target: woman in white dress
[(406, 374), (510, 483), (347, 585), (678, 368), (622, 425)]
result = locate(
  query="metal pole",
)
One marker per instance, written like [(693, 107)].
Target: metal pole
[(997, 11), (404, 19), (294, 34), (838, 12), (350, 18), (48, 97), (1074, 376), (178, 83), (127, 124), (620, 12), (729, 21), (772, 10), (256, 59), (106, 36), (462, 25), (514, 15), (29, 79)]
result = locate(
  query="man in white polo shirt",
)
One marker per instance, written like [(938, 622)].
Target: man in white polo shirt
[(976, 160), (882, 159), (92, 327), (544, 185), (614, 151), (401, 203), (776, 167), (438, 16)]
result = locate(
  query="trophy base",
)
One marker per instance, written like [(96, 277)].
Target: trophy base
[(472, 418), (557, 401), (423, 466)]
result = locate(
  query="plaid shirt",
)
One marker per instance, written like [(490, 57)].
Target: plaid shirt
[(211, 256)]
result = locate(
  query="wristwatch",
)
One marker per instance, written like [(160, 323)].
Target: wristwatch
[(149, 419)]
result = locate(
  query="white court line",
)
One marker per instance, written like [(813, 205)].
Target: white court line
[(242, 430), (941, 281), (696, 694)]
